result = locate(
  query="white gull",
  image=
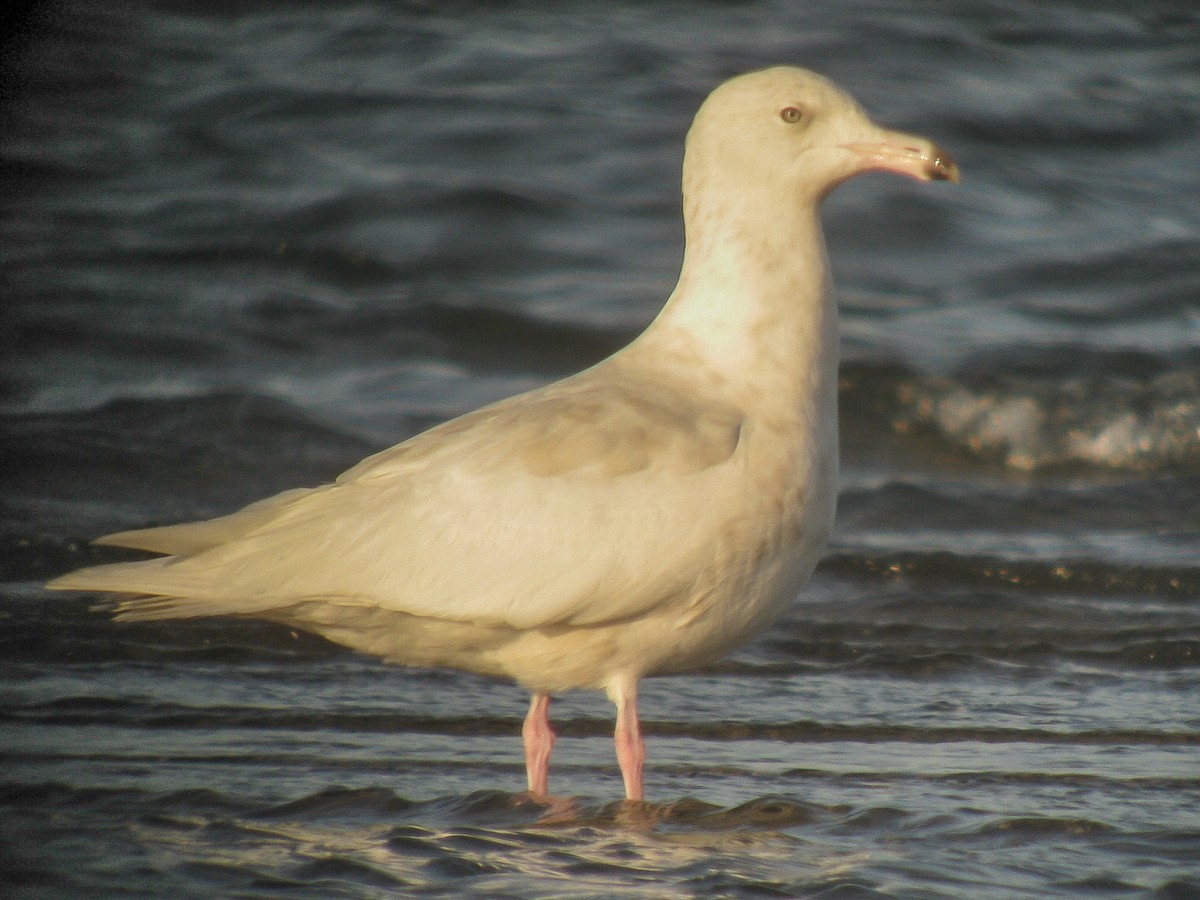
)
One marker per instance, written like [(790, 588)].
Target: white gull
[(642, 517)]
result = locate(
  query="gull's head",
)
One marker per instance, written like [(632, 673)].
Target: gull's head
[(792, 132)]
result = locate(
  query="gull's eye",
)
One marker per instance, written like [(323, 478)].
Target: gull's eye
[(791, 114)]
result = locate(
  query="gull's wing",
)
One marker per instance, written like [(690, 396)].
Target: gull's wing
[(189, 538), (588, 501)]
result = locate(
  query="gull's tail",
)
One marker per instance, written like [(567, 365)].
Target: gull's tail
[(179, 585)]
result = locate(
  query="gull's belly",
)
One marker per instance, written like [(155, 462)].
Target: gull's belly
[(759, 566)]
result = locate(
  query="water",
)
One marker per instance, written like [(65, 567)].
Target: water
[(243, 247)]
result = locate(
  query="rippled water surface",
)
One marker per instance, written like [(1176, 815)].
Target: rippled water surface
[(243, 246)]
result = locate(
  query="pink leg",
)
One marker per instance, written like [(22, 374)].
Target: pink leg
[(631, 749), (539, 741)]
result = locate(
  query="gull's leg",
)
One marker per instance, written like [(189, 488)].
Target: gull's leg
[(631, 749), (539, 741)]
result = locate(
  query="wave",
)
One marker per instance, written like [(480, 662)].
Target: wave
[(82, 710), (1055, 576), (1042, 423), (136, 461), (347, 841)]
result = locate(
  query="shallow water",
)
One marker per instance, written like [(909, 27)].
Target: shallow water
[(244, 248)]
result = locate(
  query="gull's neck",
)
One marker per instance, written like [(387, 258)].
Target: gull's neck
[(753, 305)]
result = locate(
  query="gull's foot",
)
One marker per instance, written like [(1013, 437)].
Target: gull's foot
[(556, 810)]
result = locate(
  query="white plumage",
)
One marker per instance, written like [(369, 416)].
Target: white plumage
[(644, 516)]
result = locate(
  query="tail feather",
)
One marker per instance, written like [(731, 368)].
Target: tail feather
[(133, 608), (189, 538), (175, 586), (150, 576), (157, 589)]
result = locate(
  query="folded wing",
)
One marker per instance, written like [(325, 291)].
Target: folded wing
[(478, 520)]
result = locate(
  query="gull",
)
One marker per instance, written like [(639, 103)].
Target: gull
[(642, 517)]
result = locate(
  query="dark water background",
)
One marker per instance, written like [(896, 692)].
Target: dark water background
[(246, 244)]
